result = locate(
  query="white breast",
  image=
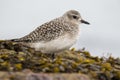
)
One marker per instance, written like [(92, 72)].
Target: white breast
[(62, 43), (59, 44)]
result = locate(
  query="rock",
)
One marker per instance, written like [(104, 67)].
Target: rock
[(41, 76), (21, 62)]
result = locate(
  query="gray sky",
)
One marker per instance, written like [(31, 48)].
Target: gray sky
[(19, 17)]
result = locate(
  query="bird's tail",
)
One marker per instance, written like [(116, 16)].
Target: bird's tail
[(20, 40), (15, 40)]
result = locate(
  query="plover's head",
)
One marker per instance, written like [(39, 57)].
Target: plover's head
[(74, 17)]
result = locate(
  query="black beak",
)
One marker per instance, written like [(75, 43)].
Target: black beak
[(85, 22)]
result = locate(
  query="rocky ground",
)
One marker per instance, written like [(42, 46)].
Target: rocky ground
[(19, 62)]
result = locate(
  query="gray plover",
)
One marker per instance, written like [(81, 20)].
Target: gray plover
[(56, 35)]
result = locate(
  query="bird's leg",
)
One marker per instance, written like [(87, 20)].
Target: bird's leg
[(53, 55)]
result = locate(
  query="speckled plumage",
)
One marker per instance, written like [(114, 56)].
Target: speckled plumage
[(56, 35)]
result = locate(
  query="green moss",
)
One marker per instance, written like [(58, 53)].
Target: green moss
[(16, 57), (107, 66)]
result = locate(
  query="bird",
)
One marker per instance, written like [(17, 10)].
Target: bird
[(56, 35)]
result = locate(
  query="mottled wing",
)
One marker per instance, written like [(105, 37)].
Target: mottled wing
[(46, 32)]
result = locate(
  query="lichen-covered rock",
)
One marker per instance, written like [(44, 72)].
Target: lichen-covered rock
[(15, 57)]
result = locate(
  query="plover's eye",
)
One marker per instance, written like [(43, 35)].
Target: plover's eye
[(75, 17)]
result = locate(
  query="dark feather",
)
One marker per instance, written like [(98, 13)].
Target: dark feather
[(19, 40)]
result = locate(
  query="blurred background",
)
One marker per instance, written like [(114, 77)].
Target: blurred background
[(102, 37)]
